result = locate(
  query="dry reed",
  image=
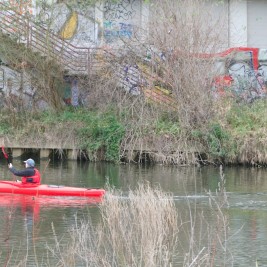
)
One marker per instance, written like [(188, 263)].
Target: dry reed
[(146, 228)]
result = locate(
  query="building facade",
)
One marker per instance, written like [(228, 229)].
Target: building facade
[(110, 23), (109, 20)]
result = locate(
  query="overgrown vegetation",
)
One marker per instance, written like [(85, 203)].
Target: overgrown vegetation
[(236, 135), (147, 228), (184, 124)]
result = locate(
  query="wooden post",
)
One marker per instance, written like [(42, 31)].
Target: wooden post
[(72, 154), (17, 152), (44, 153)]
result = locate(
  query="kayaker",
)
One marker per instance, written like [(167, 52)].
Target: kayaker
[(30, 175)]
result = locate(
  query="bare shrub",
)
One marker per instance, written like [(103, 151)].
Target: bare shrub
[(175, 59), (183, 32)]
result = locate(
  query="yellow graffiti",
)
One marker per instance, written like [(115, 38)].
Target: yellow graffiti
[(162, 89), (70, 26)]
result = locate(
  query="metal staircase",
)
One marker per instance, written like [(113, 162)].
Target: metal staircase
[(21, 28), (74, 60)]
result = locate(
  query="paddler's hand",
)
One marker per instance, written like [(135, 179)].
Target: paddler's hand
[(10, 165)]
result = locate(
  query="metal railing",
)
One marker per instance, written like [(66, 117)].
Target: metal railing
[(39, 39), (75, 60)]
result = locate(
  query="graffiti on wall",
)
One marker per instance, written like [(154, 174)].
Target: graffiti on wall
[(246, 75), (130, 78), (122, 10), (118, 19), (70, 26), (72, 96), (243, 76), (247, 83), (78, 24), (114, 30), (74, 23), (15, 88)]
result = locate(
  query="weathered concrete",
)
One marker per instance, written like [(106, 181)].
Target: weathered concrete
[(141, 149), (17, 148)]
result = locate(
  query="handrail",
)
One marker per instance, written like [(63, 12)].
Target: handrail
[(77, 60), (38, 38)]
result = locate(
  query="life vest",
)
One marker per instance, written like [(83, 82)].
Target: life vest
[(35, 179)]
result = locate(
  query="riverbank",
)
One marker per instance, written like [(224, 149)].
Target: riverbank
[(236, 134)]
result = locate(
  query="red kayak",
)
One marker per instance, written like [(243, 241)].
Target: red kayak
[(37, 202), (48, 190), (33, 205)]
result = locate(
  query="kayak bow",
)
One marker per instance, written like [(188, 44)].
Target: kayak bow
[(48, 190)]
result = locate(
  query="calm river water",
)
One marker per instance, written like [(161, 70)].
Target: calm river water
[(29, 228)]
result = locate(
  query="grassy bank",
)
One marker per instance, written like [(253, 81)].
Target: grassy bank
[(119, 126), (236, 134)]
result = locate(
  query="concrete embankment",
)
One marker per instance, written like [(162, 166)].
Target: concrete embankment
[(141, 151)]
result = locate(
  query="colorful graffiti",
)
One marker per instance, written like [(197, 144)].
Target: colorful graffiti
[(138, 79), (71, 91), (70, 26), (244, 73), (78, 23), (114, 30), (70, 22), (118, 19)]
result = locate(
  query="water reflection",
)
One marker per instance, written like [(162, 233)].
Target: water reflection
[(28, 226)]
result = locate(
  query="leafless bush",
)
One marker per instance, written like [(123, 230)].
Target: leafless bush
[(182, 32), (175, 61)]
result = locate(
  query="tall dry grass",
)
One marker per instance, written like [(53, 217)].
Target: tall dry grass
[(148, 228), (142, 229), (138, 230)]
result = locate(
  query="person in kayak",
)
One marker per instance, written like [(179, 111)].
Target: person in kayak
[(30, 175)]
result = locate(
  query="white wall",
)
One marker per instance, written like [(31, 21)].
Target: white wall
[(257, 23), (241, 30), (238, 23)]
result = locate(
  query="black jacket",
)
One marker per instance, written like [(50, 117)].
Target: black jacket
[(26, 172)]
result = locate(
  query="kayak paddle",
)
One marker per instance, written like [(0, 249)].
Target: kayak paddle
[(5, 155)]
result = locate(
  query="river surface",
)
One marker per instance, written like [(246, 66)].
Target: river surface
[(31, 228)]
